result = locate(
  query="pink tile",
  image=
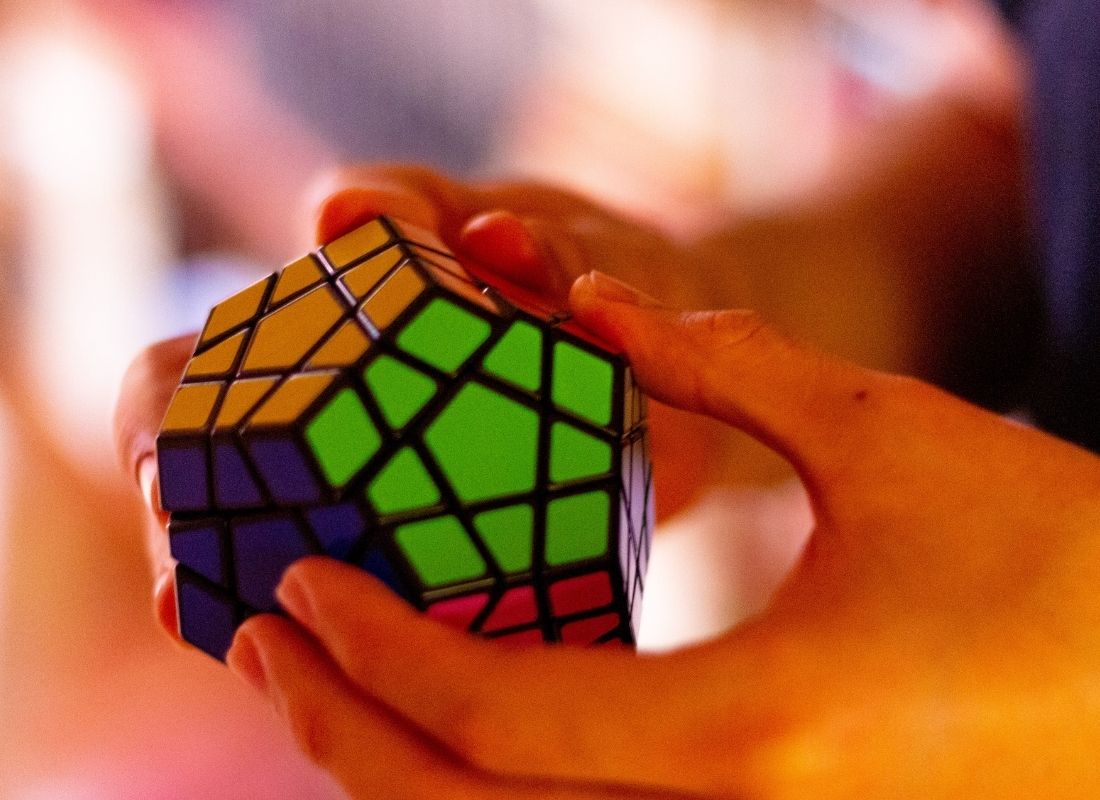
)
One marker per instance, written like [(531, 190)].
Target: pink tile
[(578, 594), (516, 607), (587, 631), (526, 638), (458, 612)]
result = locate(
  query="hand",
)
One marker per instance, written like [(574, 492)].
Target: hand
[(539, 236), (952, 556), (938, 639)]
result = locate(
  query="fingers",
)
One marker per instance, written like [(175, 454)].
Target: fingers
[(164, 604), (347, 209), (349, 197), (731, 366), (532, 252), (497, 239), (531, 244), (369, 750), (583, 714), (455, 202), (370, 753), (147, 389), (502, 242)]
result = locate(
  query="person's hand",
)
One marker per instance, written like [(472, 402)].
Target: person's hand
[(935, 638), (938, 639), (540, 236)]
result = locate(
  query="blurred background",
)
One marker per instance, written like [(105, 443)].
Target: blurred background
[(157, 154)]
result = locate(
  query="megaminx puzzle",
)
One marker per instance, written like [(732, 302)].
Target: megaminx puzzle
[(373, 402)]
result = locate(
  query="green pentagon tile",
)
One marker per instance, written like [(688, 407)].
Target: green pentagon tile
[(582, 383), (399, 390), (342, 437), (577, 527), (575, 454), (508, 533), (485, 443), (440, 551), (403, 484), (443, 335), (517, 357)]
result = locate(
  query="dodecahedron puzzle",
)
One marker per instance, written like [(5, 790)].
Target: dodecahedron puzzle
[(373, 402)]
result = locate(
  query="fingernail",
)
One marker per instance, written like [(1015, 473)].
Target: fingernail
[(295, 599), (608, 288), (147, 481), (347, 209), (499, 237), (164, 604), (243, 659)]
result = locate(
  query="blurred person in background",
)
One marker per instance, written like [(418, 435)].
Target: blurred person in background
[(234, 139), (936, 637), (157, 154)]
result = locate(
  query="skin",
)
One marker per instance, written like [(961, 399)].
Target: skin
[(937, 638)]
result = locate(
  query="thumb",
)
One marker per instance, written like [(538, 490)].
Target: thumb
[(731, 366)]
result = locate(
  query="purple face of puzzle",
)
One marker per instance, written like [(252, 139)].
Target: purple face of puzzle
[(373, 402)]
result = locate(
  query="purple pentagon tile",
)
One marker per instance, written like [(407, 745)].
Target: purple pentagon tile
[(234, 486), (183, 477), (338, 528), (206, 617), (262, 549), (200, 548), (376, 563), (286, 472)]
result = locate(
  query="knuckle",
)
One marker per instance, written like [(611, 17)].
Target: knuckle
[(753, 751), (724, 346), (774, 743), (419, 179), (156, 361), (329, 181), (804, 760), (332, 187), (474, 736), (313, 729), (478, 738), (726, 329), (146, 390)]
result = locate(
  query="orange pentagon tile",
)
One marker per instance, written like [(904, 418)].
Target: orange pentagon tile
[(295, 277), (360, 242), (283, 337), (361, 279), (191, 407), (287, 403), (236, 310), (342, 349), (393, 297), (218, 360), (240, 399)]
